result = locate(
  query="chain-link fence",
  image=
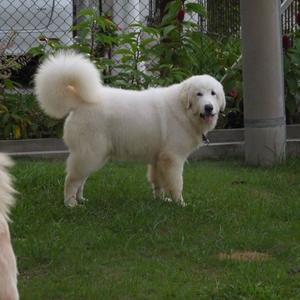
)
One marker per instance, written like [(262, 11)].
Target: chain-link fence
[(25, 23), (30, 20), (166, 59)]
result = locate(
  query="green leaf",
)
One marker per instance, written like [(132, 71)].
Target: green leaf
[(151, 30), (297, 98), (9, 84), (3, 108), (105, 39), (5, 118), (87, 12), (37, 51), (125, 59), (172, 9), (290, 105), (146, 41), (297, 44), (82, 25), (196, 8), (168, 29), (123, 51)]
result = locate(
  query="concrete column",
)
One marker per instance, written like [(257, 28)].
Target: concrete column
[(265, 130)]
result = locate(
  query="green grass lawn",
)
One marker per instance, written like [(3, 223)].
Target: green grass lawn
[(124, 245)]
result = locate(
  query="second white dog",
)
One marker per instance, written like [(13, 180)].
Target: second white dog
[(160, 126), (8, 264)]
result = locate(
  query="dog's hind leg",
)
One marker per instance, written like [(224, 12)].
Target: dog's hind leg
[(155, 181), (78, 169), (73, 183), (170, 169), (79, 195)]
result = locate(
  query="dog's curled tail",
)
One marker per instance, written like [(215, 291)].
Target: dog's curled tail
[(66, 81), (6, 190)]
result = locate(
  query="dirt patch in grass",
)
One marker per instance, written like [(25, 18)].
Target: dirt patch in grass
[(245, 256)]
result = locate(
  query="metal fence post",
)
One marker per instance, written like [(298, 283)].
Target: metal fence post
[(265, 129)]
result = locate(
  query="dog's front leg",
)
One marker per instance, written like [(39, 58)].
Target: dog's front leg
[(170, 169), (71, 187), (79, 195)]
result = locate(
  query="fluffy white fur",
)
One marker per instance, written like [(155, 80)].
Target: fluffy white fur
[(8, 265), (160, 126)]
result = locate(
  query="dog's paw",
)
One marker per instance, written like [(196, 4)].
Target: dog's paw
[(179, 202), (71, 202), (82, 200), (167, 199), (158, 194), (182, 203)]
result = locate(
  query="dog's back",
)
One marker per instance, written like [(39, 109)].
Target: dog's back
[(8, 266)]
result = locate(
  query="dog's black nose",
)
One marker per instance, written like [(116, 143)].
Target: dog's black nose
[(208, 108)]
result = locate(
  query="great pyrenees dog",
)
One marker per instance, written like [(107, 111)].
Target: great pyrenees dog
[(159, 126), (8, 265)]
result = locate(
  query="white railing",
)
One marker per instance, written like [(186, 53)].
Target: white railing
[(285, 5)]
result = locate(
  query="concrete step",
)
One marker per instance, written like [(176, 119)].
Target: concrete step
[(224, 143), (211, 151), (48, 144)]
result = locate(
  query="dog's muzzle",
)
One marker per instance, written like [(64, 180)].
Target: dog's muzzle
[(208, 115)]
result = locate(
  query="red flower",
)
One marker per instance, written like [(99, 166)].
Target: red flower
[(233, 93), (180, 14), (286, 42)]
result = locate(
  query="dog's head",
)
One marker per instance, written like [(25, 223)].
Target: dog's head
[(203, 97)]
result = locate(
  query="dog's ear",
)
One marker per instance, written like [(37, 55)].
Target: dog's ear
[(186, 96), (221, 98)]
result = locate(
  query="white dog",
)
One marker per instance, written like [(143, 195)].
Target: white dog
[(159, 126), (8, 265)]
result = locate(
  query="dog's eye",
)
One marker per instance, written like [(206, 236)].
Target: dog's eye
[(199, 94), (213, 93)]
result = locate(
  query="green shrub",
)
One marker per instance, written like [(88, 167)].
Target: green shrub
[(21, 117), (147, 55), (150, 55), (291, 45), (144, 55)]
